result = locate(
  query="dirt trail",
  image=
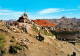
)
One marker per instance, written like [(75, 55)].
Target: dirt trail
[(30, 30)]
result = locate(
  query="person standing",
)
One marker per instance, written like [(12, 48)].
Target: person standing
[(74, 54), (25, 28)]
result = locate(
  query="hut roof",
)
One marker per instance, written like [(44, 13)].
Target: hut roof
[(43, 23)]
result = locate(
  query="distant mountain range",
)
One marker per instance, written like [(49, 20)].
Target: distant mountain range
[(10, 20), (65, 22)]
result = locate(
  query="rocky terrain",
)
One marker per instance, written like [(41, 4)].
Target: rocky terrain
[(19, 43), (65, 22)]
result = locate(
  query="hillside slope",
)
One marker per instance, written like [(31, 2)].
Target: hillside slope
[(25, 44)]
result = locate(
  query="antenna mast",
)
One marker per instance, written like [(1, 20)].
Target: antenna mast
[(25, 10)]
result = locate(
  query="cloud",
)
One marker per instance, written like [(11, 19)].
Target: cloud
[(49, 10), (2, 10), (70, 13), (10, 14), (51, 17), (54, 10)]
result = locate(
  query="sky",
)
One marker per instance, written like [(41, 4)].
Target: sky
[(39, 9)]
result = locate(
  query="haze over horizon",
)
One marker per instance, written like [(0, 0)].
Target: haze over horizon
[(36, 9)]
